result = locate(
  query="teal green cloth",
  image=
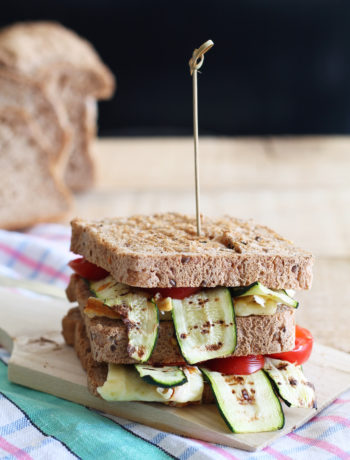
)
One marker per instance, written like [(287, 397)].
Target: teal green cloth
[(88, 434)]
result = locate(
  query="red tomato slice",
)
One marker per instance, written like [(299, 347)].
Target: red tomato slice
[(302, 350), (87, 270), (175, 293), (239, 365)]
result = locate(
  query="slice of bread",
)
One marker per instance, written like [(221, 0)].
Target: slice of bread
[(82, 112), (255, 334), (70, 70), (97, 372), (30, 190), (46, 50), (164, 250), (43, 107)]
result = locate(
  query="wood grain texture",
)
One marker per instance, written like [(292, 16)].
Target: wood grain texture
[(42, 361)]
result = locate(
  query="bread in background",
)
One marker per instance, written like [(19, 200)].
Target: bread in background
[(31, 190), (70, 72)]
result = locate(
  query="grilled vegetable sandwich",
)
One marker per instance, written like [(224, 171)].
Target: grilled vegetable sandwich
[(171, 317)]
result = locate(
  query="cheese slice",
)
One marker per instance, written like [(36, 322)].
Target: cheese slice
[(254, 305), (125, 384)]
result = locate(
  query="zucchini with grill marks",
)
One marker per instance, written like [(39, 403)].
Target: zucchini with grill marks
[(290, 383), (247, 403), (164, 376), (258, 289), (205, 325), (139, 314)]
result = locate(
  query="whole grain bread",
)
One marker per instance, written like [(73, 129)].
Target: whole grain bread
[(97, 372), (47, 50), (68, 68), (255, 334), (30, 189), (43, 107), (163, 250)]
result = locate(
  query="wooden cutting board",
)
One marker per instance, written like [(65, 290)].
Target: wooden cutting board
[(30, 328)]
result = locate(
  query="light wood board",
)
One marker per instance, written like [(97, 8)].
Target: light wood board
[(40, 360)]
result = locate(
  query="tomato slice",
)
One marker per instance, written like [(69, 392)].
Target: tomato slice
[(302, 350), (175, 293), (239, 365), (87, 270)]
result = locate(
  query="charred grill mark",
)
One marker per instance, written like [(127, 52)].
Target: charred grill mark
[(293, 381), (183, 336), (246, 398), (202, 302), (141, 351), (234, 379), (214, 346), (282, 366)]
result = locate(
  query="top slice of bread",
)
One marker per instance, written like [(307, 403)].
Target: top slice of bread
[(163, 250)]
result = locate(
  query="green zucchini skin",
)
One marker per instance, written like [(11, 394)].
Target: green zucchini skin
[(290, 383), (259, 289), (205, 325), (255, 386), (155, 375), (138, 312)]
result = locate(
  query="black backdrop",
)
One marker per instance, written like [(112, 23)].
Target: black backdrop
[(277, 67)]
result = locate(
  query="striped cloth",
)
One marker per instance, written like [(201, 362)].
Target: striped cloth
[(35, 425)]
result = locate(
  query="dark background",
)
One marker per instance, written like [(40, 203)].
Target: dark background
[(277, 67)]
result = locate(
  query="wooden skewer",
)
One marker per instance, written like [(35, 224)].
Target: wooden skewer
[(196, 63)]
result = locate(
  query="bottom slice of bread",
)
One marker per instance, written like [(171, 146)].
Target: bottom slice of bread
[(74, 333)]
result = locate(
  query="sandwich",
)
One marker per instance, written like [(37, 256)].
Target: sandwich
[(167, 316)]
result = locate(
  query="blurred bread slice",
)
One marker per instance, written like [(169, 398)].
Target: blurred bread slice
[(69, 67), (45, 109), (31, 190)]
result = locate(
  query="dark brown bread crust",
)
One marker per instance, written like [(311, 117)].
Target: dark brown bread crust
[(255, 334), (96, 372), (164, 250), (69, 323)]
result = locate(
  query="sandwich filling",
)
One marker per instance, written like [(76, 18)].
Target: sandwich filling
[(207, 327)]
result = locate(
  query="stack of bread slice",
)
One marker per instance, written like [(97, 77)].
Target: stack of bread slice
[(52, 78)]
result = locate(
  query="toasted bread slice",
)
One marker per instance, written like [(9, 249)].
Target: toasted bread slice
[(164, 250), (255, 334)]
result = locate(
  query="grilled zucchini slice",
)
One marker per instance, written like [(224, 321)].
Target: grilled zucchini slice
[(138, 313), (290, 383), (247, 403), (164, 376), (205, 325), (258, 289)]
